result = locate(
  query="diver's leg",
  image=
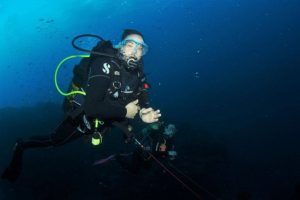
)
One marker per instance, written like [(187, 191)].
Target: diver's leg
[(64, 133), (13, 171)]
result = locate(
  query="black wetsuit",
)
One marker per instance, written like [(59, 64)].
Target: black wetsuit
[(110, 87)]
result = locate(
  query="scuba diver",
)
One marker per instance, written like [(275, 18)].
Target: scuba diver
[(115, 91), (158, 139)]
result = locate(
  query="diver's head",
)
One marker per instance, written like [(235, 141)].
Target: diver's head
[(132, 48)]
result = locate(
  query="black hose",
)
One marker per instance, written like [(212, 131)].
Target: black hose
[(89, 51)]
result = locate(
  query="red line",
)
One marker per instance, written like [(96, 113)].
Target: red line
[(172, 174)]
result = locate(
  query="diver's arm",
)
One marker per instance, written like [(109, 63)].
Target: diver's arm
[(144, 99), (143, 96), (147, 114), (95, 105)]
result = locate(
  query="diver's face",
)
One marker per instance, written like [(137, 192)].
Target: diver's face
[(131, 48)]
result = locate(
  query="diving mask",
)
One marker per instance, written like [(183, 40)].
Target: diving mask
[(134, 46)]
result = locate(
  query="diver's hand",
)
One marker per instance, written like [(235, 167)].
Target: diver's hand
[(132, 109), (148, 115)]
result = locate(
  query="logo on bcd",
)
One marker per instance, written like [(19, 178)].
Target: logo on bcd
[(106, 68)]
